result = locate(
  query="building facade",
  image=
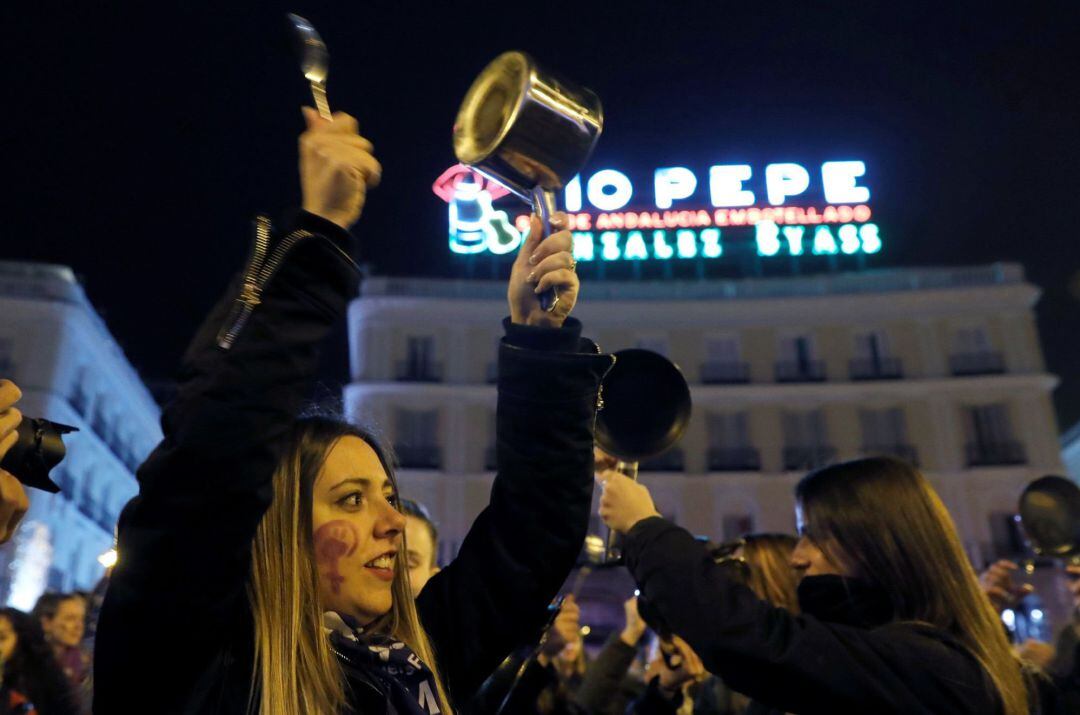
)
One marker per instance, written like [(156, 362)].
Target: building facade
[(1070, 451), (57, 349), (939, 366)]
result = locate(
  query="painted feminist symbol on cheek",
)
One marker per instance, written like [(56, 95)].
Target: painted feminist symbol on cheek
[(334, 540)]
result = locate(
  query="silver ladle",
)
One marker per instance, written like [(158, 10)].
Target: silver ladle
[(314, 60)]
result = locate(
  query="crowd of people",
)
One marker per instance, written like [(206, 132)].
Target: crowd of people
[(269, 564)]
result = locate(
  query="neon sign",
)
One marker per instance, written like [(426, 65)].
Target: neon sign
[(608, 224), (475, 226), (770, 240)]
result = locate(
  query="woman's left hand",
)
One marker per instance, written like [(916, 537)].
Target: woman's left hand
[(543, 263), (623, 501)]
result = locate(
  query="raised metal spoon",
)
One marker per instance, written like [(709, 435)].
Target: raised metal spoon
[(314, 60)]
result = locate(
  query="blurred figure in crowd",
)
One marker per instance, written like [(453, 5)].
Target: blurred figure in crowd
[(45, 609), (421, 544), (606, 687), (64, 630), (544, 681), (32, 679)]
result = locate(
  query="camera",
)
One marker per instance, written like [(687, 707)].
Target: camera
[(39, 448)]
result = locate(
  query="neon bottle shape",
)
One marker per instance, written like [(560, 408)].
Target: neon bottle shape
[(468, 218)]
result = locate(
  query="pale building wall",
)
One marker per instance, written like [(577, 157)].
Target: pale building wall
[(59, 352), (917, 310)]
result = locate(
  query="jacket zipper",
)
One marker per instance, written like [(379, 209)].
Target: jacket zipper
[(258, 272), (600, 389)]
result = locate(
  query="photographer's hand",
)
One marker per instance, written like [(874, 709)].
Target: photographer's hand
[(543, 263), (336, 168), (13, 500)]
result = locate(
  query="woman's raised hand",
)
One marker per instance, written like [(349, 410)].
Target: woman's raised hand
[(541, 264), (1000, 586), (336, 168), (623, 502)]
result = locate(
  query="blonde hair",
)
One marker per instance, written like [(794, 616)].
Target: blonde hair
[(772, 577), (296, 672), (889, 524)]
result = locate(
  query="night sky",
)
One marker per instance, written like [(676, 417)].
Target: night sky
[(140, 140)]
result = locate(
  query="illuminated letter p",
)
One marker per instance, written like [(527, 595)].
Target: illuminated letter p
[(676, 182)]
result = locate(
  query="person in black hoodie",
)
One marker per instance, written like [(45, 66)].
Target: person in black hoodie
[(261, 566), (893, 619)]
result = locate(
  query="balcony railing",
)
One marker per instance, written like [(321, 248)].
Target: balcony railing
[(805, 371), (422, 457), (734, 459), (906, 452), (714, 372), (984, 363), (670, 461), (799, 458), (413, 371), (986, 454), (879, 369)]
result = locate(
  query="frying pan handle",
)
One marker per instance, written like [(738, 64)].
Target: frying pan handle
[(544, 206), (614, 539)]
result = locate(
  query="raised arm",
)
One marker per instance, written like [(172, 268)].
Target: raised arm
[(517, 554), (185, 541), (754, 646), (782, 660)]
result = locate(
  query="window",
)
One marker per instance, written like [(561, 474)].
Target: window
[(969, 340), (419, 364), (872, 360), (723, 361), (723, 349), (797, 360), (805, 428), (885, 432), (806, 442), (973, 354), (416, 438), (730, 446), (990, 438)]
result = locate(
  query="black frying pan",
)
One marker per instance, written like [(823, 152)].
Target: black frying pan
[(646, 406), (1050, 514)]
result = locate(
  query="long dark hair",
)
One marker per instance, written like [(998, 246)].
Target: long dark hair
[(881, 518), (33, 669)]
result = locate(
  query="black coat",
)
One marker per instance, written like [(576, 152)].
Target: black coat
[(799, 664), (176, 630)]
